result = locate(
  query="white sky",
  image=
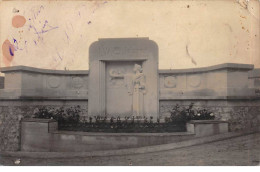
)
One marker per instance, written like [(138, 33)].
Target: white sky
[(209, 32)]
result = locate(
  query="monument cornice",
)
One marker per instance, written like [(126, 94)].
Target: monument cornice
[(43, 71), (232, 66)]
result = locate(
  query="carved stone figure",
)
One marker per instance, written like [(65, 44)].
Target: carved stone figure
[(138, 90)]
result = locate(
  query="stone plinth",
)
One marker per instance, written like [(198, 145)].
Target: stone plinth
[(123, 78), (36, 134), (28, 82), (203, 128)]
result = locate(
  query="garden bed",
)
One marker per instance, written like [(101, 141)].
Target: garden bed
[(123, 127), (71, 120)]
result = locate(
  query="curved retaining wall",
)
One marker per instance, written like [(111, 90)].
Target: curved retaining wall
[(42, 135)]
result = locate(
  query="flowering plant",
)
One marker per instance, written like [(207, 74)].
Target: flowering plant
[(183, 115), (69, 119), (62, 115)]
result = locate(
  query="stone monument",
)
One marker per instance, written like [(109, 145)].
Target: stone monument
[(123, 77)]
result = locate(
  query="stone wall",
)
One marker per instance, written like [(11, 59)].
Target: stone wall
[(28, 82), (233, 97), (12, 111), (211, 82), (2, 82), (241, 114)]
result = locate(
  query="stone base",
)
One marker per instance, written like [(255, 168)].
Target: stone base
[(36, 134), (203, 128), (41, 135)]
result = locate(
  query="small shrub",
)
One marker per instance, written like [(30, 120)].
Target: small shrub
[(69, 119), (183, 115), (69, 115)]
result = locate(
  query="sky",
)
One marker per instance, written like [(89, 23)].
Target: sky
[(190, 34)]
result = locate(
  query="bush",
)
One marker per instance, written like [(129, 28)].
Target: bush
[(69, 115), (69, 119), (183, 115)]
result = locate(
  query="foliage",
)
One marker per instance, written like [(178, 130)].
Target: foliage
[(62, 115), (183, 115), (69, 119), (127, 125)]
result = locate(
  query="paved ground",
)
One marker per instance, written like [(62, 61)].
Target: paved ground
[(243, 150)]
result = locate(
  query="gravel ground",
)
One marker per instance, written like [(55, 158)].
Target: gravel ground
[(240, 151)]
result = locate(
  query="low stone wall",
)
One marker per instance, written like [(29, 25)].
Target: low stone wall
[(241, 114), (12, 111), (42, 135), (203, 128), (64, 141), (35, 134)]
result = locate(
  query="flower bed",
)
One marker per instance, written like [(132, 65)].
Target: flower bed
[(123, 127), (69, 119)]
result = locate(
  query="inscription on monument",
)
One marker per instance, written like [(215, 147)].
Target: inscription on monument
[(116, 51), (116, 78)]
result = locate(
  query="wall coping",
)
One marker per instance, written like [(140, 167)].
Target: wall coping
[(39, 120), (43, 71), (206, 122), (164, 98), (120, 134), (116, 39), (254, 73), (37, 98), (237, 66), (247, 67), (184, 98)]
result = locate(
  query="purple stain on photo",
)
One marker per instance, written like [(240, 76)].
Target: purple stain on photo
[(37, 13), (45, 28), (11, 51), (15, 41), (15, 44)]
